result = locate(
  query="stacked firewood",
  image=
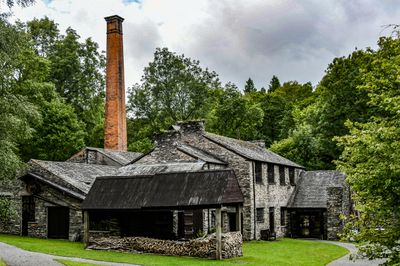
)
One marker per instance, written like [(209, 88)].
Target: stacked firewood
[(200, 247)]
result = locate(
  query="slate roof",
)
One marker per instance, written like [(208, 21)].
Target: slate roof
[(250, 150), (78, 175), (164, 190), (121, 157), (200, 154), (149, 169), (311, 189)]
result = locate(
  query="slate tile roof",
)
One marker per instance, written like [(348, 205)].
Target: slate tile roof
[(164, 190), (311, 189), (200, 154), (250, 150), (149, 169), (121, 157), (78, 175)]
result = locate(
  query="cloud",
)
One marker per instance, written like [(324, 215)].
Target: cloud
[(294, 40)]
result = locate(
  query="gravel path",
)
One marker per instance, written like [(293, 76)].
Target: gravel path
[(14, 256), (345, 261)]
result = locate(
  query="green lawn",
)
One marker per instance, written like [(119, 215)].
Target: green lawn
[(2, 263), (281, 252), (74, 263)]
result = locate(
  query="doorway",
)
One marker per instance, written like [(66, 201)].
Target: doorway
[(58, 222)]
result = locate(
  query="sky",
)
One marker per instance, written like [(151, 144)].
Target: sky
[(292, 39)]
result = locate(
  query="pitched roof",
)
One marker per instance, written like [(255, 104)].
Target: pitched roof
[(311, 189), (79, 176), (200, 154), (250, 150), (120, 157), (164, 190), (149, 169)]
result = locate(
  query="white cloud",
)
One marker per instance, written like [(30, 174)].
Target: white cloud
[(238, 39)]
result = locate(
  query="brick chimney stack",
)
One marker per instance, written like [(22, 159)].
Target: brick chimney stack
[(115, 116)]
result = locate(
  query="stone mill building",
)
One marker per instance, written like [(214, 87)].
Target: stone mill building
[(177, 190)]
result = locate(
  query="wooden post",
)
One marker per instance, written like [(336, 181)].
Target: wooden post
[(238, 218), (86, 228), (218, 249)]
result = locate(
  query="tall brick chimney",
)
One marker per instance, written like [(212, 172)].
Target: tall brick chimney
[(115, 120)]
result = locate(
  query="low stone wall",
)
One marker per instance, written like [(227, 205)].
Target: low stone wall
[(200, 247)]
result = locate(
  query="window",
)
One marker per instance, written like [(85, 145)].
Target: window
[(28, 208), (258, 172), (283, 216), (282, 175), (291, 176), (260, 215), (271, 174)]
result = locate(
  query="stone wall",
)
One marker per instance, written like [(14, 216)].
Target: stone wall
[(200, 247), (50, 197), (273, 195), (335, 203), (11, 190)]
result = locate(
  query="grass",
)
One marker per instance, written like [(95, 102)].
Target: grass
[(74, 263), (2, 263), (282, 252)]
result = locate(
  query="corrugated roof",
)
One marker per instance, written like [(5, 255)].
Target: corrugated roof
[(200, 154), (164, 190), (311, 190), (250, 150), (78, 175), (149, 169)]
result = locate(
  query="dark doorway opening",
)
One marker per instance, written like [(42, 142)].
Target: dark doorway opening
[(232, 221), (58, 222), (272, 219), (308, 223), (28, 213)]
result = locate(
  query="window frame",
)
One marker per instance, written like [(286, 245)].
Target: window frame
[(282, 177), (283, 216), (260, 215), (258, 172), (291, 176), (271, 173)]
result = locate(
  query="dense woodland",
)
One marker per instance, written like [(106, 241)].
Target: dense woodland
[(52, 104)]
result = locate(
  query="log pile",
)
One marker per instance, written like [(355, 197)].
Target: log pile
[(200, 247)]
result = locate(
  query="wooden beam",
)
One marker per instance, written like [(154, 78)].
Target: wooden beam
[(218, 248), (238, 218), (86, 228)]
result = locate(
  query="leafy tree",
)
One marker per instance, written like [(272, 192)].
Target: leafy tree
[(173, 88), (278, 107), (77, 71), (249, 86), (371, 157), (17, 114), (44, 34), (274, 84), (235, 115), (335, 100), (60, 135)]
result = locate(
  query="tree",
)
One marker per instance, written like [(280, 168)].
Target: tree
[(274, 84), (173, 88), (77, 71), (235, 115), (335, 100), (371, 157), (17, 114), (60, 134), (249, 86), (278, 107)]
